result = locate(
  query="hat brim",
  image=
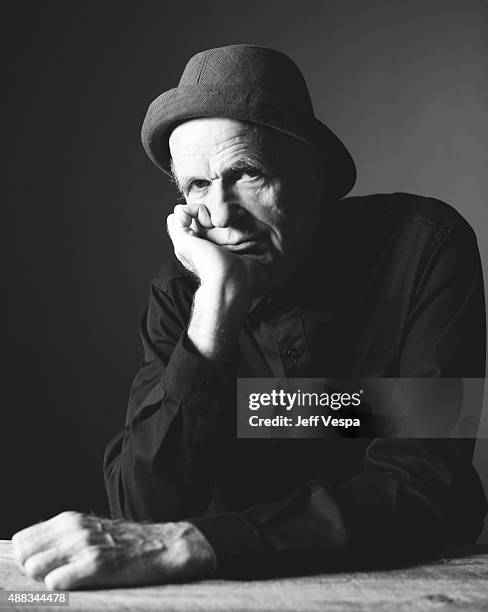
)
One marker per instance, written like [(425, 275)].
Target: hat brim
[(184, 103)]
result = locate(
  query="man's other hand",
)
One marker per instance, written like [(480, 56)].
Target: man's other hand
[(73, 550)]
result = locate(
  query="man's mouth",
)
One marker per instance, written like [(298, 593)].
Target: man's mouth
[(243, 246)]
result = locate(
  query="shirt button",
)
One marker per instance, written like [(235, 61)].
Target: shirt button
[(292, 353)]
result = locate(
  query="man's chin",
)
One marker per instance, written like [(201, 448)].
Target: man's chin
[(265, 270), (276, 273)]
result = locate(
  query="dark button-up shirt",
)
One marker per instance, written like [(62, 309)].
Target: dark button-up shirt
[(392, 288)]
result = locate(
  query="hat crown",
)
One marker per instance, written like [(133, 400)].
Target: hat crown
[(253, 68)]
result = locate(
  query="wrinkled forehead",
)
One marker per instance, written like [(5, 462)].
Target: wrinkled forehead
[(209, 145), (211, 137)]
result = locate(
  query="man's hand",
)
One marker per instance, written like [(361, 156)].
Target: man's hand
[(75, 550), (196, 244), (228, 281)]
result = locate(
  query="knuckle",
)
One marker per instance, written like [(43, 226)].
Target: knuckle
[(84, 536), (19, 551), (25, 535), (70, 517), (56, 583), (66, 514), (94, 557), (32, 568), (17, 539)]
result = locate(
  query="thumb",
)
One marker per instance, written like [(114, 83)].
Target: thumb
[(204, 217)]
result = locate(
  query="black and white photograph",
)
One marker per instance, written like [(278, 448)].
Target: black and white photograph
[(247, 251)]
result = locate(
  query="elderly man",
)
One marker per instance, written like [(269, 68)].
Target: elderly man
[(275, 275)]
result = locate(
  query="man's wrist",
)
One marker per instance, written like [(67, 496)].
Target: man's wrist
[(217, 317), (193, 553)]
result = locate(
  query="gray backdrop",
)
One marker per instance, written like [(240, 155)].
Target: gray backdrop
[(402, 82)]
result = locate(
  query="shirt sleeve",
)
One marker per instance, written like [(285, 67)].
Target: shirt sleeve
[(159, 468), (413, 495)]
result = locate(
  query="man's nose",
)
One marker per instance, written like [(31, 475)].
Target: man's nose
[(222, 204)]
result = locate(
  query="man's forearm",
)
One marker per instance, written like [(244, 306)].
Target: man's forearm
[(218, 313)]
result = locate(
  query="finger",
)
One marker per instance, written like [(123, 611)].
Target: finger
[(177, 231), (42, 563), (42, 536), (26, 543), (191, 209), (83, 572), (183, 216), (204, 217), (69, 545), (177, 222), (199, 213)]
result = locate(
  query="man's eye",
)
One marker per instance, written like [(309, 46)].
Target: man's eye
[(252, 173), (198, 184)]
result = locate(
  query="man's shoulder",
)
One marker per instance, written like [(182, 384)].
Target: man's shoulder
[(394, 209)]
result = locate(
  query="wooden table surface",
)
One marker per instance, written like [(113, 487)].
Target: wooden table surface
[(450, 583)]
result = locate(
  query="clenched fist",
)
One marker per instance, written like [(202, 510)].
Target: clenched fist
[(216, 255), (75, 550)]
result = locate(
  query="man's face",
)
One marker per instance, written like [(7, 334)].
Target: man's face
[(262, 199)]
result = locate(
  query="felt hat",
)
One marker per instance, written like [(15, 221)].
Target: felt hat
[(247, 83)]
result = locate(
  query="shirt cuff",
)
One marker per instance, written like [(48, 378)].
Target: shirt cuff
[(188, 373), (234, 541)]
